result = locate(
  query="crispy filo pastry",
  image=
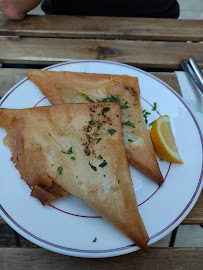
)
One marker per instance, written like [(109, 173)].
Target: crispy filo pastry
[(80, 147), (75, 87)]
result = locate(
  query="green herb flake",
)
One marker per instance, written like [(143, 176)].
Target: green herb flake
[(93, 167), (154, 107), (52, 164), (151, 124), (111, 131), (98, 114), (54, 193), (119, 181), (98, 140), (124, 106), (128, 123), (129, 140), (60, 169), (110, 124), (88, 135), (103, 164), (100, 156), (70, 151), (87, 152), (111, 99), (76, 176), (95, 239), (98, 123), (105, 109), (145, 113), (91, 123), (87, 98), (73, 158), (104, 175)]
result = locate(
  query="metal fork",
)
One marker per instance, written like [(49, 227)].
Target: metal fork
[(194, 73)]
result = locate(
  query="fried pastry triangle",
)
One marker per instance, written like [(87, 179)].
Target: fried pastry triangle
[(79, 147), (75, 87)]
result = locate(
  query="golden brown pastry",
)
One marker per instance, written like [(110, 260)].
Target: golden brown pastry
[(79, 147), (75, 87)]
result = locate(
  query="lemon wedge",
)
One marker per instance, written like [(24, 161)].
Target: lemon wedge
[(164, 141)]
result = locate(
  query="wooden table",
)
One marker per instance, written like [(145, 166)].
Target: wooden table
[(156, 45)]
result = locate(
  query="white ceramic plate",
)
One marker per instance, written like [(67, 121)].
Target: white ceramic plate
[(68, 225)]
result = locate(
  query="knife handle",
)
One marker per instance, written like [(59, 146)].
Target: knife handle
[(196, 69)]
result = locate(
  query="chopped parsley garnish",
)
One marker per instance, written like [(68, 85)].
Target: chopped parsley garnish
[(98, 123), (128, 123), (145, 113), (129, 140), (119, 181), (103, 164), (88, 135), (105, 109), (73, 158), (76, 176), (110, 99), (54, 193), (93, 167), (87, 98), (98, 140), (91, 123), (87, 152), (151, 124), (98, 114), (111, 131), (125, 106), (60, 169), (154, 107), (95, 239), (100, 156), (88, 128), (70, 151), (52, 164)]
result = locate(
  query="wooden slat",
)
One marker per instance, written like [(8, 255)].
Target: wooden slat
[(139, 53), (196, 215), (158, 258), (169, 78), (10, 76), (2, 221), (104, 27)]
